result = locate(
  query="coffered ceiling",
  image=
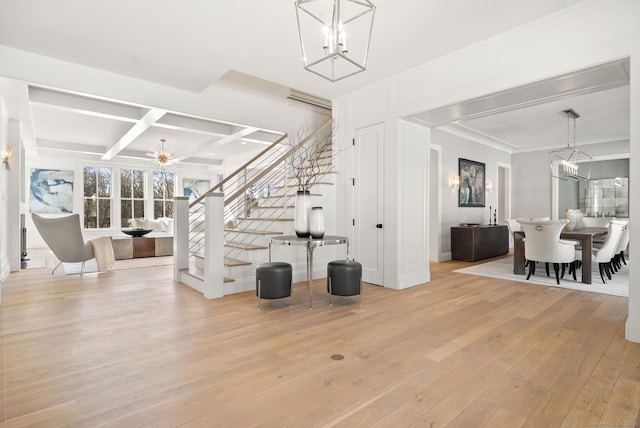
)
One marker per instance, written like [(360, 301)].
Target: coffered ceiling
[(108, 129)]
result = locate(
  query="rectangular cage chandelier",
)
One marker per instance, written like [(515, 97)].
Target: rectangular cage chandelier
[(568, 159), (335, 36)]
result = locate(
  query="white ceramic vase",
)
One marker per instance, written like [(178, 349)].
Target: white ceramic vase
[(316, 223), (575, 219), (301, 214)]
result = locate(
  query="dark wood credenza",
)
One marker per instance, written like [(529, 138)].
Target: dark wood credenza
[(472, 243)]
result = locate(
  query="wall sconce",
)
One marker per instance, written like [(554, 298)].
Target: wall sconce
[(454, 182), (6, 154), (488, 186)]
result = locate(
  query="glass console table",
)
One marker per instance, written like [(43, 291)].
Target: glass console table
[(311, 244)]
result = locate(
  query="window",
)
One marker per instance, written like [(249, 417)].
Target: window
[(131, 195), (97, 197), (163, 186)]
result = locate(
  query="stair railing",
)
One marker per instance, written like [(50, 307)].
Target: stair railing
[(266, 174)]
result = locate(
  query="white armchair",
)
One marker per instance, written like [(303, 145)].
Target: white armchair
[(63, 236), (542, 243)]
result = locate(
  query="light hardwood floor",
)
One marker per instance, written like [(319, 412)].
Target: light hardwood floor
[(131, 348)]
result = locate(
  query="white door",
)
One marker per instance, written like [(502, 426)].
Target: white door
[(368, 222)]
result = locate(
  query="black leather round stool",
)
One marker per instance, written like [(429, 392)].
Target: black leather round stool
[(344, 278), (273, 281)]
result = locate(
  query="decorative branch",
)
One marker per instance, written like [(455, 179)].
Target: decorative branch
[(305, 161)]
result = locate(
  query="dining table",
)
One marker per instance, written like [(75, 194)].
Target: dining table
[(584, 235)]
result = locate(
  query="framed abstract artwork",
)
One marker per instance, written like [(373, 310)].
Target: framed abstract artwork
[(194, 188), (50, 191), (471, 192)]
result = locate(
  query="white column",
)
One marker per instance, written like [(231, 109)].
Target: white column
[(13, 208), (412, 202), (5, 267), (633, 318)]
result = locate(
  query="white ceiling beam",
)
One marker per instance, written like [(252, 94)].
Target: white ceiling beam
[(254, 141), (587, 81), (194, 125), (85, 105), (136, 130)]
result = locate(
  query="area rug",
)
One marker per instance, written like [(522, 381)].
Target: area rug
[(44, 258), (503, 269)]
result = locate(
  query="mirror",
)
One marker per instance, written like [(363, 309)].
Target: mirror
[(605, 197), (601, 196)]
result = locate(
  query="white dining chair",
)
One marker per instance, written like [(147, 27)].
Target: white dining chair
[(618, 257), (63, 236), (542, 243), (604, 255), (513, 225)]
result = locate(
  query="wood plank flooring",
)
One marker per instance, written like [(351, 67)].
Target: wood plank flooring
[(134, 349)]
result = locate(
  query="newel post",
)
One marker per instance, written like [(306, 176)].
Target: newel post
[(214, 246), (180, 235)]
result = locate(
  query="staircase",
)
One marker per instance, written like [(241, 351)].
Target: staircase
[(258, 203)]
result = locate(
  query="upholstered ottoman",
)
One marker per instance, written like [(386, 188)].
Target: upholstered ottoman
[(344, 278), (273, 281)]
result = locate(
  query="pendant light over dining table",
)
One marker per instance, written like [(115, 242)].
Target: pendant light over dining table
[(570, 163), (335, 36)]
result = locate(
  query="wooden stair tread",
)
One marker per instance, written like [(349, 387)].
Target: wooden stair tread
[(273, 207), (228, 261), (196, 272), (290, 195), (265, 219), (255, 231), (320, 165), (244, 246), (278, 187)]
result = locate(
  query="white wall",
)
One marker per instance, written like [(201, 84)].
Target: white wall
[(536, 164), (453, 148)]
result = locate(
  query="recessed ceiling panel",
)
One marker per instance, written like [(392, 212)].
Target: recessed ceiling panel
[(67, 126), (175, 141), (604, 116)]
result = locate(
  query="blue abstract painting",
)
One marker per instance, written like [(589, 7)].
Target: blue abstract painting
[(51, 191), (195, 188)]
